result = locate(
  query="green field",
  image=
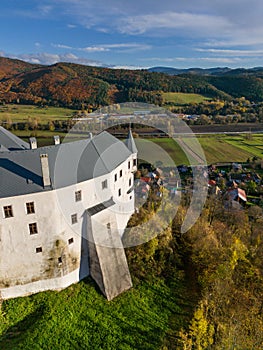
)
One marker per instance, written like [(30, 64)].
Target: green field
[(183, 98), (217, 148), (21, 113), (79, 317), (254, 146)]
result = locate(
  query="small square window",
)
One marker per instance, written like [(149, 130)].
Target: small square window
[(115, 177), (119, 192), (74, 219), (104, 184), (39, 250), (30, 208), (78, 196), (134, 162), (129, 165), (120, 173), (71, 240), (8, 211), (33, 228)]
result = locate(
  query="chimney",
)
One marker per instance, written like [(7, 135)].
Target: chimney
[(33, 143), (56, 140), (45, 170)]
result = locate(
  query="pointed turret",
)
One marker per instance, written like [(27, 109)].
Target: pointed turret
[(130, 143)]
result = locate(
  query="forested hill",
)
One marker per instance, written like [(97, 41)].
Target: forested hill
[(73, 85)]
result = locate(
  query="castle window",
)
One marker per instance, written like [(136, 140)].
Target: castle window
[(129, 165), (130, 182), (115, 177), (8, 211), (71, 240), (108, 226), (30, 208), (74, 219), (60, 260), (104, 184), (39, 250), (33, 228), (134, 162), (78, 196), (120, 173), (119, 192)]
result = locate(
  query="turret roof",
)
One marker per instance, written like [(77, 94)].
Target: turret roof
[(130, 143)]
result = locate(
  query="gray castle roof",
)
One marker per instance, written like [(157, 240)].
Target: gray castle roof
[(130, 143), (11, 142), (69, 163)]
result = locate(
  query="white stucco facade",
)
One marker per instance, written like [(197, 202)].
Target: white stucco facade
[(46, 248)]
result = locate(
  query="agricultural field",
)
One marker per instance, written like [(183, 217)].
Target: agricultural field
[(217, 148), (179, 98), (22, 113), (250, 143)]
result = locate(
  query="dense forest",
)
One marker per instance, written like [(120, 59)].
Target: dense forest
[(79, 86), (220, 259)]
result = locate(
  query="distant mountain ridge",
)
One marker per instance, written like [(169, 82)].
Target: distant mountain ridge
[(205, 71), (79, 86)]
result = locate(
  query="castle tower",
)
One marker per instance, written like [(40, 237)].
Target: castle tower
[(130, 144)]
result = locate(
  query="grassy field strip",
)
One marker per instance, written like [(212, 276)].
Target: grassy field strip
[(216, 149), (183, 98), (20, 113), (254, 148)]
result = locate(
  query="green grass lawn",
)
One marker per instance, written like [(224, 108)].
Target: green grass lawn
[(79, 317), (183, 98), (21, 113)]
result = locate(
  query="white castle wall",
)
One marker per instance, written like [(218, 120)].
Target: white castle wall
[(23, 271)]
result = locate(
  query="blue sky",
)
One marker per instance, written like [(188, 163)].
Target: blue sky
[(134, 33)]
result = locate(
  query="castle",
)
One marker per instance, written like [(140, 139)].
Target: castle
[(64, 210)]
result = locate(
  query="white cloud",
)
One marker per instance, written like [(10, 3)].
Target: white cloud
[(233, 52), (121, 47), (235, 22), (71, 26), (46, 58), (44, 9), (197, 24), (130, 67), (62, 46), (94, 49)]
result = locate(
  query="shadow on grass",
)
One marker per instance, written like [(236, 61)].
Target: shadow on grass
[(18, 332)]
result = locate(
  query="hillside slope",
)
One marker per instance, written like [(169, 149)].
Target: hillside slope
[(78, 86)]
